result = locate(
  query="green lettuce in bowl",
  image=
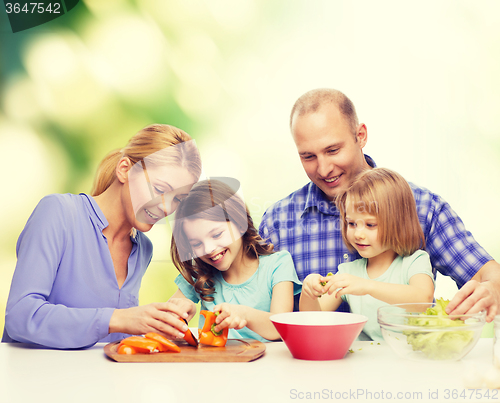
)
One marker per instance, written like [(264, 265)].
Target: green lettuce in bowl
[(426, 331), (438, 345)]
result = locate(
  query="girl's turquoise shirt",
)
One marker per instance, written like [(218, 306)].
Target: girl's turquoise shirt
[(256, 292)]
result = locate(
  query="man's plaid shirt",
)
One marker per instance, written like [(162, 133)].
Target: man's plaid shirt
[(308, 225)]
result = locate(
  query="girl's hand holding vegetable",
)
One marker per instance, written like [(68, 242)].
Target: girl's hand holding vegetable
[(316, 294), (231, 316), (208, 334), (344, 283), (312, 286)]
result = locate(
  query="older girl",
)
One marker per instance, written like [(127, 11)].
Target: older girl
[(81, 257), (379, 221), (224, 263)]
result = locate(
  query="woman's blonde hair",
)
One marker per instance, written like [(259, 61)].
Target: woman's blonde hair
[(144, 144), (386, 195), (199, 204)]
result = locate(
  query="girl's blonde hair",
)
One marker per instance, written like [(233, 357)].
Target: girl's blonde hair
[(199, 204), (386, 195), (144, 144)]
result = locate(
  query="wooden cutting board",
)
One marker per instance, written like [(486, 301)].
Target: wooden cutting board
[(234, 351)]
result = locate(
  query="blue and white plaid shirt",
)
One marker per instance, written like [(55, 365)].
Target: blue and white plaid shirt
[(308, 225)]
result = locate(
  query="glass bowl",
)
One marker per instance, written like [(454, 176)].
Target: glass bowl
[(413, 334)]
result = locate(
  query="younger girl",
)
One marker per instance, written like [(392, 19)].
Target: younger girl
[(224, 263), (379, 222)]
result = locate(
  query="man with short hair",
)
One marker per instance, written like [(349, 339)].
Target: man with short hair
[(330, 143)]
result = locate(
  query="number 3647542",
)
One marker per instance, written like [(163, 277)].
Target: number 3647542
[(32, 8)]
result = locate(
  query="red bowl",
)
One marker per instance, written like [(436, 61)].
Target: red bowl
[(318, 335)]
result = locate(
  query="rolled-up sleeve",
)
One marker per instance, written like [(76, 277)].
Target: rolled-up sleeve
[(452, 249)]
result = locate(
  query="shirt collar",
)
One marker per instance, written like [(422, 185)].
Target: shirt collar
[(316, 198), (96, 213), (98, 217), (369, 160)]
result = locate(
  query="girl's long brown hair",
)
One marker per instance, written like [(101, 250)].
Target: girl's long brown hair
[(199, 203)]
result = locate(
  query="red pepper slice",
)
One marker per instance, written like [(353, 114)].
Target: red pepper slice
[(207, 334)]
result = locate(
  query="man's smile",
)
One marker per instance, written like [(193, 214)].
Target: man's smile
[(332, 179)]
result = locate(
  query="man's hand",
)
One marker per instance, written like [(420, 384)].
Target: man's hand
[(482, 292)]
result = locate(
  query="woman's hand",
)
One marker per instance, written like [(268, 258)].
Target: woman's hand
[(158, 317), (231, 316), (185, 305)]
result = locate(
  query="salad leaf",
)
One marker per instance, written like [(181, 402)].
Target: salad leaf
[(323, 283), (435, 344)]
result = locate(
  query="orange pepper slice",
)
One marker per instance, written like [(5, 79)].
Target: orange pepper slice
[(139, 342), (188, 336), (166, 345), (136, 349), (124, 349)]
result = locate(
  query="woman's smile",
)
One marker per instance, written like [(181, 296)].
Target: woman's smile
[(153, 216)]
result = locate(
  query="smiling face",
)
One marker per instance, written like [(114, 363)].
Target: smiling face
[(156, 192), (329, 151), (217, 243)]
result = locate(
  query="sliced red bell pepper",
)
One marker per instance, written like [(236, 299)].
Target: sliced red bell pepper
[(208, 335)]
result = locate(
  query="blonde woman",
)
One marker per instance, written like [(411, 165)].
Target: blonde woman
[(380, 222), (81, 258)]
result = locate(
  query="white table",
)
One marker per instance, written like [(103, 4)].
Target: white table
[(372, 373)]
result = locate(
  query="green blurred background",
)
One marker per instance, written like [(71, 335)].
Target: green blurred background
[(423, 76)]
